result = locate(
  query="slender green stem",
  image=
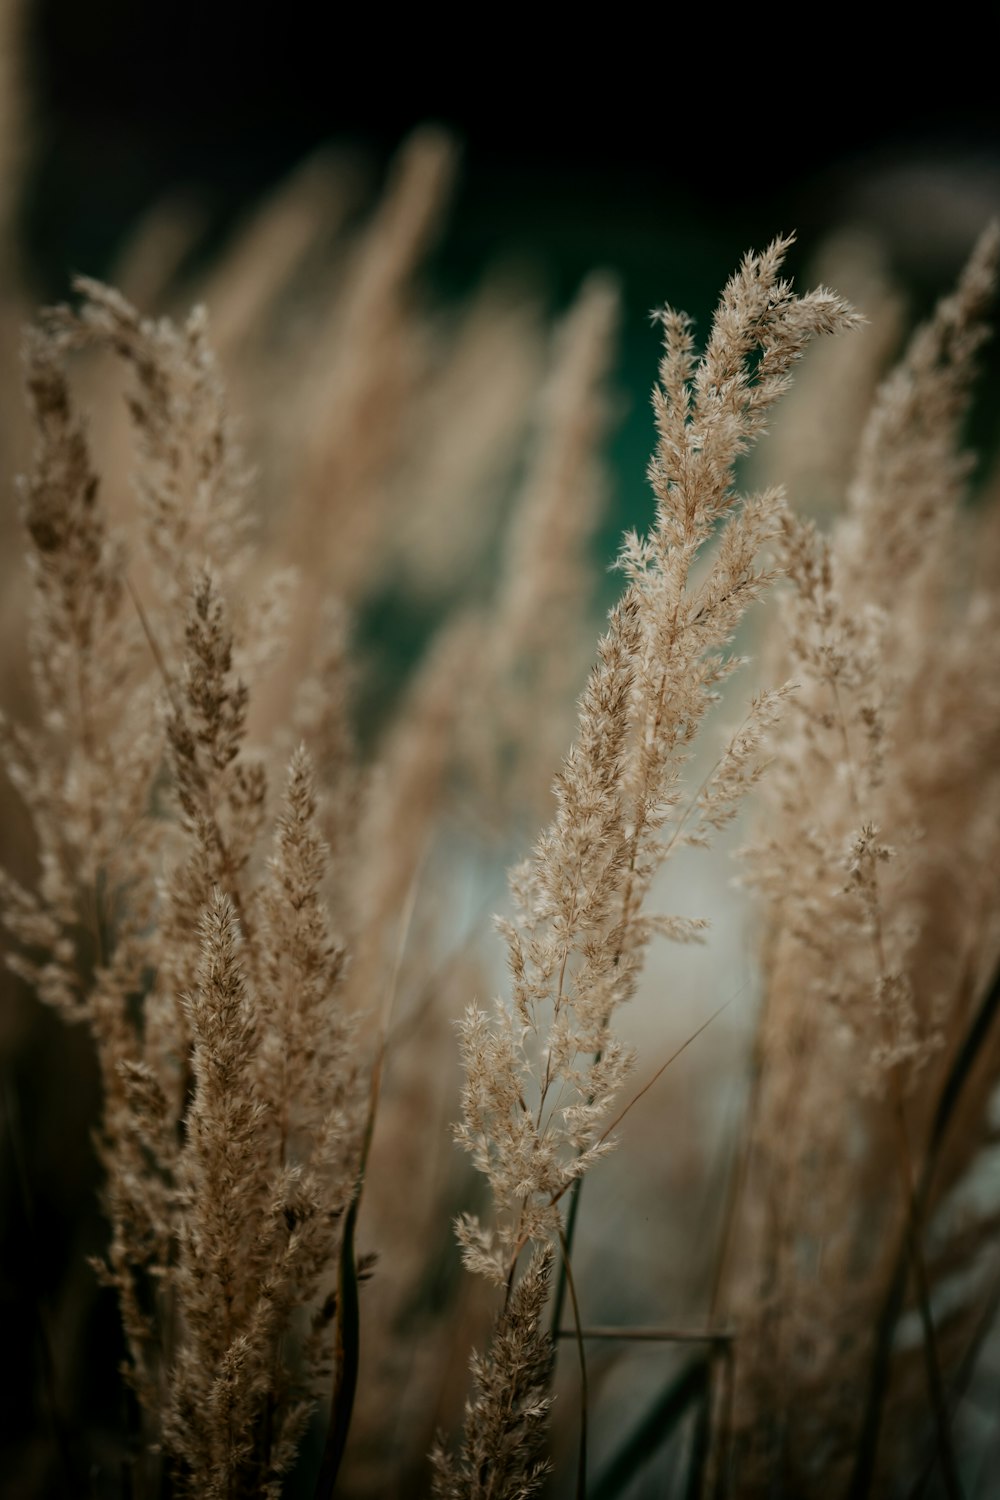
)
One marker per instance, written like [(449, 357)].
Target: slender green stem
[(348, 1327), (581, 1472), (577, 1183), (948, 1100), (653, 1429)]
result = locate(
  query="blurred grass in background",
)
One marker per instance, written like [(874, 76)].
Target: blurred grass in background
[(663, 164), (662, 150)]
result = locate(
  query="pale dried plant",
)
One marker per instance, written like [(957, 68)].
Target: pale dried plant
[(423, 1314), (231, 1110), (323, 718), (881, 943), (264, 907), (535, 624), (351, 413), (503, 1451), (190, 480), (253, 285), (403, 805), (464, 436), (440, 769), (398, 425), (266, 253), (153, 643), (544, 1068), (814, 438)]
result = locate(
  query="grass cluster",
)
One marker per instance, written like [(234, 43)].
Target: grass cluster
[(254, 863)]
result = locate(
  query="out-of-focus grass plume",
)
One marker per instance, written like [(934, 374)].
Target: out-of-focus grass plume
[(302, 591)]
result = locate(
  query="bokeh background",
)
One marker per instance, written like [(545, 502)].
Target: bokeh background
[(661, 152), (662, 149)]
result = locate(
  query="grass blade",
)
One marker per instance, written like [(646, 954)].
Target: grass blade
[(650, 1435)]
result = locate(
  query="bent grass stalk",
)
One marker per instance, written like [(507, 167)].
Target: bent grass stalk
[(237, 1119), (578, 940)]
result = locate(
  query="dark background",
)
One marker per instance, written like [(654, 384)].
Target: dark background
[(586, 139), (662, 148)]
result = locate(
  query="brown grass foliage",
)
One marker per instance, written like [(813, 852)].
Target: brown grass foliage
[(257, 879)]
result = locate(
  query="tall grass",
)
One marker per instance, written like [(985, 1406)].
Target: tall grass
[(256, 864)]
